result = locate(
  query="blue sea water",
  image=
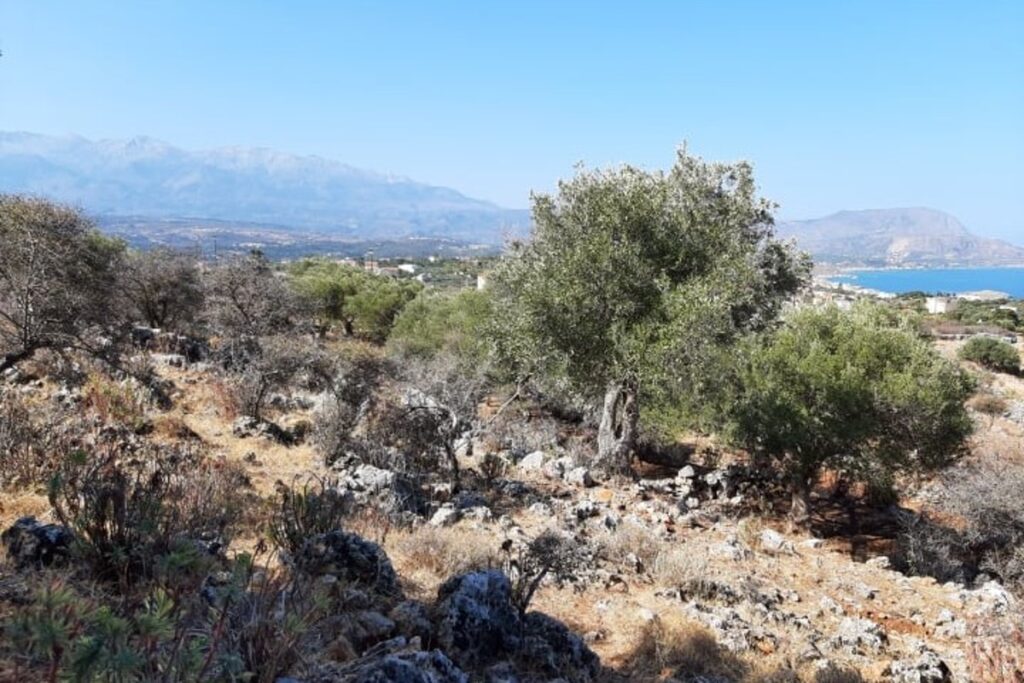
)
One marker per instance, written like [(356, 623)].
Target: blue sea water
[(939, 280)]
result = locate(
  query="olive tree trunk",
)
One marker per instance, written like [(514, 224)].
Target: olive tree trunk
[(616, 436), (800, 502)]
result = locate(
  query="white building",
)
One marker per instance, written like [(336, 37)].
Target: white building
[(939, 304)]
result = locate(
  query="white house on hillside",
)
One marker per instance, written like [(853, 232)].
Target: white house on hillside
[(940, 304)]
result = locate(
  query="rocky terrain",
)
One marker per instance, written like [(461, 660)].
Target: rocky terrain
[(677, 575)]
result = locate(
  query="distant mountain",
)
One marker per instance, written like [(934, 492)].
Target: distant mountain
[(898, 237), (143, 177)]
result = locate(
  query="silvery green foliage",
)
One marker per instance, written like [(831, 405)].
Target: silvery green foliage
[(632, 278)]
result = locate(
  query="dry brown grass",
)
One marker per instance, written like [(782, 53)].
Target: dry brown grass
[(681, 649), (428, 555)]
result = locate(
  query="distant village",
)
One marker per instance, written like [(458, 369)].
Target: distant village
[(947, 316)]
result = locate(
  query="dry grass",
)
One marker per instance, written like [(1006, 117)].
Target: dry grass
[(429, 555)]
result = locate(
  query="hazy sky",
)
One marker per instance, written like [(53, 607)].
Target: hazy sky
[(838, 104)]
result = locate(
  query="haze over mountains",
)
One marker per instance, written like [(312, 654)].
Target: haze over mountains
[(898, 237), (147, 178), (153, 192)]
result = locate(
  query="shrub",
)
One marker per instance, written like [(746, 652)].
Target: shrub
[(315, 508), (853, 391), (989, 536), (994, 354), (448, 322), (262, 366), (121, 402), (551, 555), (28, 441), (138, 514), (163, 287)]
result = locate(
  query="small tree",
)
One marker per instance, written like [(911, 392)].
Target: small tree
[(247, 298), (327, 287), (853, 391), (632, 277), (163, 287), (365, 305), (269, 364), (443, 322), (57, 282), (991, 353)]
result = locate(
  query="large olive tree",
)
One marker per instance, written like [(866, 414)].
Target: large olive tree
[(632, 276), (57, 281)]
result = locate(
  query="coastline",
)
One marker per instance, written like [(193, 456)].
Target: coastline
[(891, 281)]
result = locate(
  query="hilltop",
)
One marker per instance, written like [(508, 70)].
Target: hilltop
[(898, 237)]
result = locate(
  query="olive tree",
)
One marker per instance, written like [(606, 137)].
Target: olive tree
[(247, 298), (57, 281), (857, 392), (365, 305), (163, 287), (631, 276)]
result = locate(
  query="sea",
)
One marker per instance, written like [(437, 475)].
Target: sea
[(938, 280)]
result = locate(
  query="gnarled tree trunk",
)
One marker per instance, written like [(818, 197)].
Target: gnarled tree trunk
[(800, 502), (616, 436)]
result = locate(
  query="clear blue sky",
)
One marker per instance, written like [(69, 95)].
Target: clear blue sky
[(838, 104)]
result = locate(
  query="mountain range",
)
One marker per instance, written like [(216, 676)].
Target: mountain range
[(152, 192), (897, 237), (146, 178)]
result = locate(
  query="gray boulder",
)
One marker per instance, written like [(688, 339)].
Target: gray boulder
[(532, 462), (549, 645), (351, 559), (476, 621), (416, 666), (31, 543), (927, 668)]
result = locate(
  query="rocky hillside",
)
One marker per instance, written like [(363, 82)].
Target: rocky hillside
[(669, 577), (898, 237), (143, 177)]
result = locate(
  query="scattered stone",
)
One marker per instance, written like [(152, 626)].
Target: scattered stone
[(557, 651), (480, 513), (402, 667), (412, 620), (532, 462), (476, 620), (774, 542), (30, 543), (926, 668), (686, 473), (367, 628), (580, 476), (881, 562), (859, 636), (446, 515), (556, 469)]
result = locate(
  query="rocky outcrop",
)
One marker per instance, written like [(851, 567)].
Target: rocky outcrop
[(351, 559), (476, 622), (31, 543), (478, 625)]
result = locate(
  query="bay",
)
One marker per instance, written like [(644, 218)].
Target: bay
[(938, 280)]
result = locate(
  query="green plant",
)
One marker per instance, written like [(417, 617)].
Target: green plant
[(856, 391), (549, 554), (632, 278), (315, 508), (163, 512), (994, 354)]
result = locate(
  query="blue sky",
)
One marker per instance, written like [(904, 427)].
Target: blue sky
[(838, 104)]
